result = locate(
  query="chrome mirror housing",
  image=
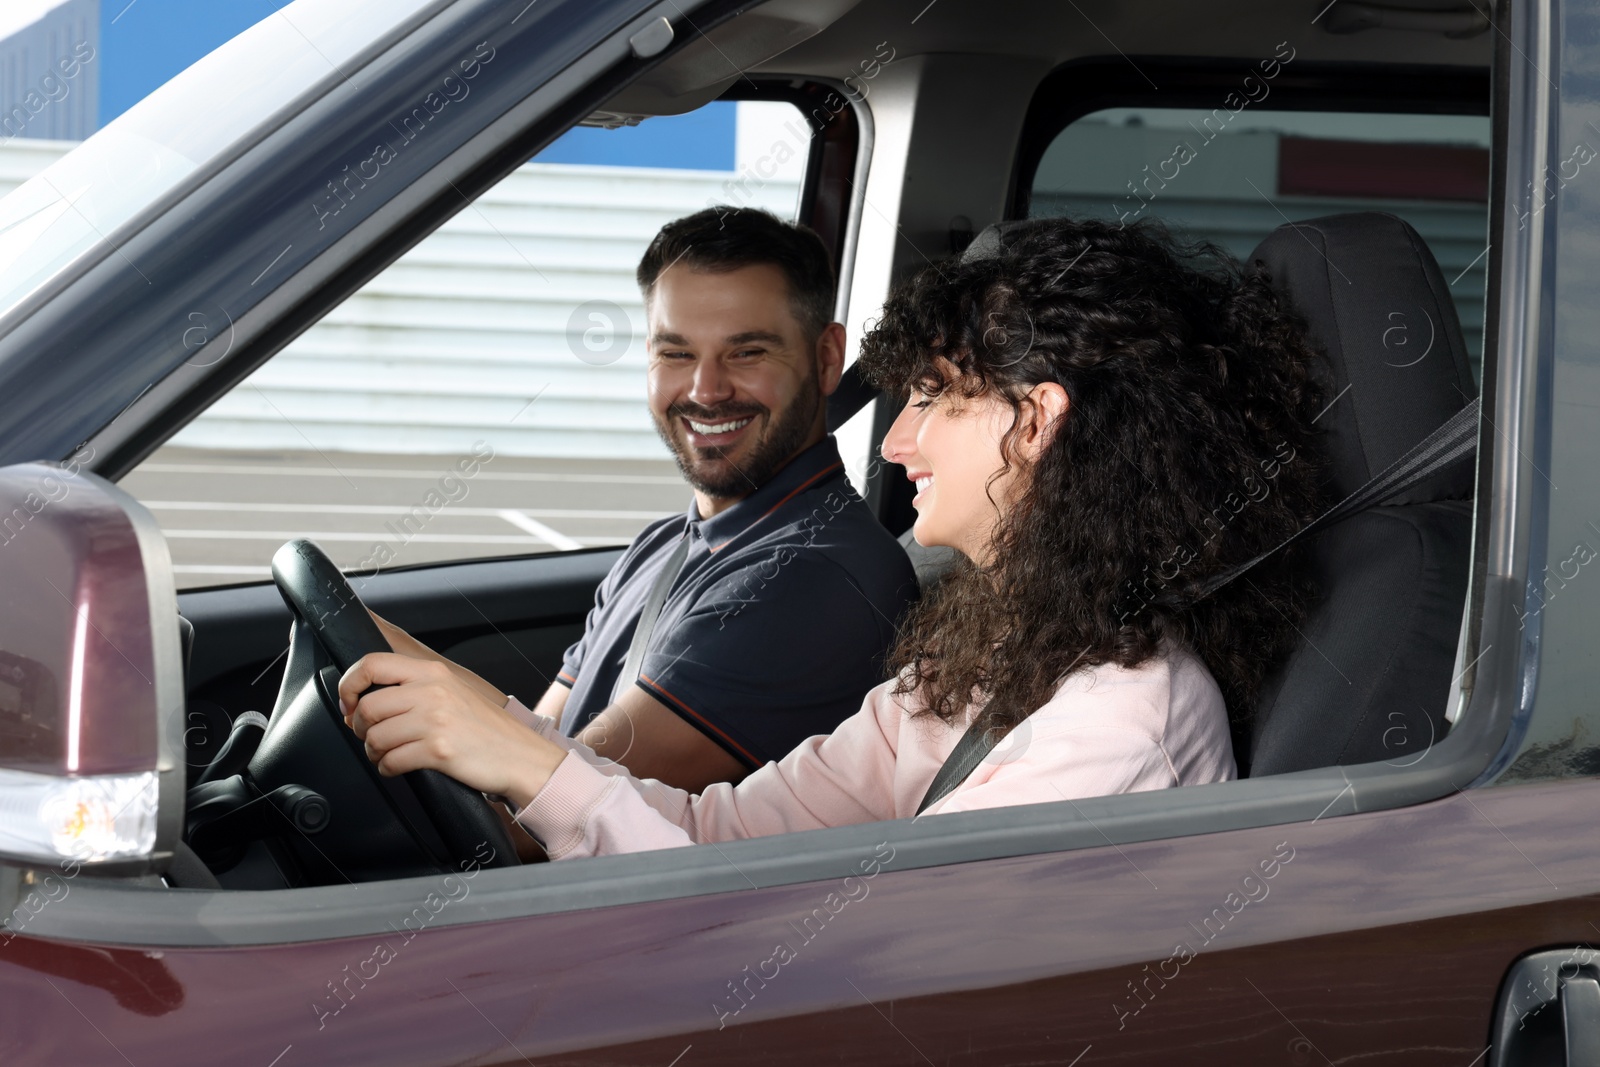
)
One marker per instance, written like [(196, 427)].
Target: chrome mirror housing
[(91, 676)]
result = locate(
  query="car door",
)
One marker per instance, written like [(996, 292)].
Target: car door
[(1369, 911)]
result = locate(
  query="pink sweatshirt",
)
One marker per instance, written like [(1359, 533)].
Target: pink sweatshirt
[(1106, 730)]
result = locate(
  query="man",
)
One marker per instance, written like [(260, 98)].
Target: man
[(775, 627), (789, 590)]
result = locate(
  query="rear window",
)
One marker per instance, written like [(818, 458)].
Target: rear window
[(1232, 178)]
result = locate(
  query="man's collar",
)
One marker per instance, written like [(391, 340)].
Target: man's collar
[(816, 464)]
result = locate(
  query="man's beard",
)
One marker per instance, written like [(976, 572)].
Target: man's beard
[(783, 440)]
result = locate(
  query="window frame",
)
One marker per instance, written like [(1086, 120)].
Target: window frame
[(841, 150), (832, 193), (846, 146), (850, 140)]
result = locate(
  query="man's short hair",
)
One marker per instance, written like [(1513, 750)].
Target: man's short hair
[(724, 238)]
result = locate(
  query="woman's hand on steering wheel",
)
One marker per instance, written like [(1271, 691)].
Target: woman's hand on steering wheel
[(428, 716), (407, 645)]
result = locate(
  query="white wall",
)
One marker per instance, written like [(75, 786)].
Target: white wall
[(498, 308), (480, 318)]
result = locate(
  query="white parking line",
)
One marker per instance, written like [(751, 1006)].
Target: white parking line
[(369, 538), (522, 521), (393, 510), (395, 472), (339, 535), (220, 568)]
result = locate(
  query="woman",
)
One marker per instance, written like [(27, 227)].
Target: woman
[(1098, 427)]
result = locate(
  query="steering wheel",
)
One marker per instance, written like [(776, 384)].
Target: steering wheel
[(322, 601)]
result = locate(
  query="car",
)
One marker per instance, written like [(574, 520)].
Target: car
[(1406, 874)]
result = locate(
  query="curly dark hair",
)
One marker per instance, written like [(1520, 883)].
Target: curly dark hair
[(1187, 448)]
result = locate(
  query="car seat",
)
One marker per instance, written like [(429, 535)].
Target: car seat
[(1371, 676)]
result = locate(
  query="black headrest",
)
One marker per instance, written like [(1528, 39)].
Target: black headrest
[(1375, 301)]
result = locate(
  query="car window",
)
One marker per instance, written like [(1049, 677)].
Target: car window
[(485, 394), (1233, 178)]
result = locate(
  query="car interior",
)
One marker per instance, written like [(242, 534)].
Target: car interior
[(942, 146)]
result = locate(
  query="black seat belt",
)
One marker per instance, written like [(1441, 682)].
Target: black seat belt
[(653, 603), (1455, 440), (962, 761), (1450, 443)]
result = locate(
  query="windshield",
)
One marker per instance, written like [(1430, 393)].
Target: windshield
[(86, 197)]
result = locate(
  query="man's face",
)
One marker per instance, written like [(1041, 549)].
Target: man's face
[(735, 388)]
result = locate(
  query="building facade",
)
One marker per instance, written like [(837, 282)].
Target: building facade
[(49, 74)]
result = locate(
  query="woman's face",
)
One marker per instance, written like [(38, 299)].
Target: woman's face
[(950, 446)]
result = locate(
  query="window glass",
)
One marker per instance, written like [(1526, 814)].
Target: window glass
[(1234, 178), (483, 396)]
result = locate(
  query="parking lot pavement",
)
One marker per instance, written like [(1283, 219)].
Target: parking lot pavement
[(225, 512)]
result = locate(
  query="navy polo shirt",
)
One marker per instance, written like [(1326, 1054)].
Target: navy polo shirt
[(777, 625)]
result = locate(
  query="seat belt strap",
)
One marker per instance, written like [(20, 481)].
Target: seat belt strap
[(1444, 447), (654, 601), (1450, 443), (962, 761)]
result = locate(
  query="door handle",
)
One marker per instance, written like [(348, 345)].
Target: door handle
[(1549, 1011)]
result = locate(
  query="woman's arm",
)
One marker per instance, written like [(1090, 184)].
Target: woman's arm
[(592, 806), (578, 803)]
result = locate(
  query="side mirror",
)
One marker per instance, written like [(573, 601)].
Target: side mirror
[(91, 677)]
